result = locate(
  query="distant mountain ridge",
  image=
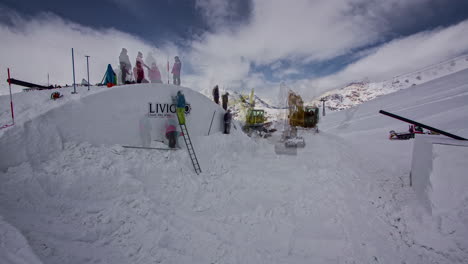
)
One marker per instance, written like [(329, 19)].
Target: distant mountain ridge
[(358, 92)]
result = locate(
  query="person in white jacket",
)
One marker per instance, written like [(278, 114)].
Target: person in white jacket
[(125, 66)]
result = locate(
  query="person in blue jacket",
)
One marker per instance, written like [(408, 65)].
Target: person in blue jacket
[(110, 79), (181, 107)]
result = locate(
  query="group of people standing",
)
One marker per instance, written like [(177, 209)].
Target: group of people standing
[(227, 115), (138, 74), (224, 97)]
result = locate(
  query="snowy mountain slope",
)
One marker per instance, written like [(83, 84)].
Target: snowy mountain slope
[(359, 92), (343, 199)]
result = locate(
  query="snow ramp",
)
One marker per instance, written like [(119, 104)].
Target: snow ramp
[(134, 115)]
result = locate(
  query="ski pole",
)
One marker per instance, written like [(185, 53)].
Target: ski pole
[(11, 98)]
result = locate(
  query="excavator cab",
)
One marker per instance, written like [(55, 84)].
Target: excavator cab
[(311, 116), (255, 117)]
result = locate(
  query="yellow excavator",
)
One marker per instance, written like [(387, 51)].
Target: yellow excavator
[(255, 119), (299, 116)]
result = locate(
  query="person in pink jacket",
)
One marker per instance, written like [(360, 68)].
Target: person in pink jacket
[(154, 74), (171, 133), (176, 69), (139, 73)]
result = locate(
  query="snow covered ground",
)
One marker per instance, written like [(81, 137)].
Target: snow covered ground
[(344, 198)]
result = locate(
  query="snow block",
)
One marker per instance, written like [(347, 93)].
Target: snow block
[(422, 175), (133, 115), (14, 247)]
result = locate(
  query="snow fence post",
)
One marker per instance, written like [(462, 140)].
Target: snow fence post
[(11, 98), (87, 67), (73, 64), (167, 69), (211, 122)]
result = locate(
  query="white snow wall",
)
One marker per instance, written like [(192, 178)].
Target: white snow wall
[(119, 115), (422, 166)]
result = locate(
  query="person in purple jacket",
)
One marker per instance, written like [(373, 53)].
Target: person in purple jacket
[(176, 68)]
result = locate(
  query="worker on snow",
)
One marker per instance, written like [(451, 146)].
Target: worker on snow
[(176, 69), (227, 122), (216, 94), (225, 98), (181, 107)]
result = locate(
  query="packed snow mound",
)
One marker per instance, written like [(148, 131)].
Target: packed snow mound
[(133, 115), (344, 198), (358, 92), (14, 248)]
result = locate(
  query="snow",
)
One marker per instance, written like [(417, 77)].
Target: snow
[(111, 116), (14, 247), (344, 198), (429, 169), (449, 180)]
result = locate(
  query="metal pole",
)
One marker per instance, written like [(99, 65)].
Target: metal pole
[(73, 64), (87, 67), (323, 107), (11, 98), (211, 122), (48, 82), (421, 125), (167, 70)]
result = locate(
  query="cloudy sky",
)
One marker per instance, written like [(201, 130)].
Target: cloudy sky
[(311, 45)]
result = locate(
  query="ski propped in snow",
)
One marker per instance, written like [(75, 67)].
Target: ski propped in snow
[(137, 147)]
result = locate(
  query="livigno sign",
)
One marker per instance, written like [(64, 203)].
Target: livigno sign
[(161, 110)]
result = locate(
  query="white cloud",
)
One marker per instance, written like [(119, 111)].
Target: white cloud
[(276, 31), (302, 31), (287, 72), (34, 48), (216, 12), (397, 57)]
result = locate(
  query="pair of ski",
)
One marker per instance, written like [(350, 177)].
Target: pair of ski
[(149, 148), (5, 126)]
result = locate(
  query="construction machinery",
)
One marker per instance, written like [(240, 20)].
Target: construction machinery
[(255, 120), (298, 116)]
